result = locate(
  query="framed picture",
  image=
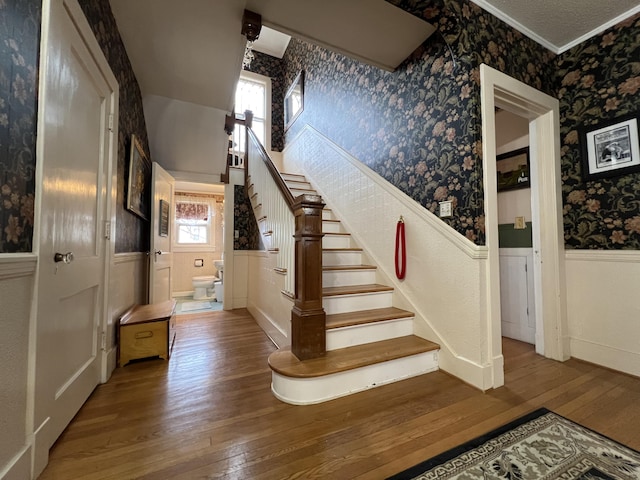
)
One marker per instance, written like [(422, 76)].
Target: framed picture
[(513, 170), (164, 218), (610, 149), (294, 100), (139, 181)]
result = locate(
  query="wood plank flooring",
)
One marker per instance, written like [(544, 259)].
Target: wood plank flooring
[(209, 413)]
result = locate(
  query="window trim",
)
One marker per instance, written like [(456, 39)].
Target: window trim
[(210, 246), (266, 81)]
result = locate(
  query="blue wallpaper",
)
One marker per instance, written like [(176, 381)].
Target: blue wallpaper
[(20, 34), (419, 127), (244, 222), (269, 66), (132, 233), (598, 81)]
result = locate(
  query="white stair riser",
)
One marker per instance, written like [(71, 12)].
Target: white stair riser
[(371, 332), (344, 278), (336, 241), (297, 192), (328, 215), (331, 227), (306, 391), (342, 258), (350, 303), (291, 183)]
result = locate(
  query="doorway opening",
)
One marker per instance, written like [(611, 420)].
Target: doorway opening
[(517, 293), (542, 113)]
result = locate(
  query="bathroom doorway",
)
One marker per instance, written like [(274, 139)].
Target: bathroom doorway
[(198, 247)]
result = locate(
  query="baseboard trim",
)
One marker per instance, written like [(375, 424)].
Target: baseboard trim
[(110, 357), (273, 331), (19, 467), (609, 357), (477, 376)]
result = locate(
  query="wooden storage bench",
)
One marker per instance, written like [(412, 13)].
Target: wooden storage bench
[(146, 331)]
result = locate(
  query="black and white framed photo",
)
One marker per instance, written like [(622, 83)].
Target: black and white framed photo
[(610, 149)]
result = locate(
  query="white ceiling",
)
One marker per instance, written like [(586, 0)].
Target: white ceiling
[(192, 50), (560, 24)]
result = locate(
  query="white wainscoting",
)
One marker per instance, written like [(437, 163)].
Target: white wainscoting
[(265, 301), (445, 284), (17, 276), (603, 310), (127, 286)]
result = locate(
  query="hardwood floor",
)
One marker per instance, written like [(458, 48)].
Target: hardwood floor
[(209, 413)]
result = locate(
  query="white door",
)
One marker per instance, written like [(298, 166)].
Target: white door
[(78, 97), (518, 321), (160, 257)]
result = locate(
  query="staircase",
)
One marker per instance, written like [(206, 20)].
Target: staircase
[(369, 341)]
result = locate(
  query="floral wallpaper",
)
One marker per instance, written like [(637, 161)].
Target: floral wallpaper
[(269, 66), (132, 232), (20, 34), (244, 221), (419, 127), (598, 81)]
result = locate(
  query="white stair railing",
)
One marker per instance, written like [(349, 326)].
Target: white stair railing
[(277, 224)]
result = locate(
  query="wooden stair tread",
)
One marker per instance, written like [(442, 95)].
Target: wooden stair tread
[(341, 360), (329, 220), (333, 268), (350, 249), (363, 317), (355, 289), (338, 234)]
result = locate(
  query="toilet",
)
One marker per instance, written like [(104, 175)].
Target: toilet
[(203, 287), (218, 288)]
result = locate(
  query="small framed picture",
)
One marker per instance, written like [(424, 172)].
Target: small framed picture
[(164, 218), (610, 149), (138, 185), (513, 170)]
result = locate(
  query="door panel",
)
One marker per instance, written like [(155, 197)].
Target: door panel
[(517, 323), (76, 143), (161, 257)]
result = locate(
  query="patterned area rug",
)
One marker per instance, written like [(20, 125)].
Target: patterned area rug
[(541, 445)]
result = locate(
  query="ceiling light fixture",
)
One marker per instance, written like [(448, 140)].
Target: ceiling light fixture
[(251, 26)]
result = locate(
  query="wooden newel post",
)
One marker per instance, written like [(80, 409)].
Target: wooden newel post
[(308, 334)]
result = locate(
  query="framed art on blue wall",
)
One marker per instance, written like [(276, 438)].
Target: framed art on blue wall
[(139, 180), (610, 149)]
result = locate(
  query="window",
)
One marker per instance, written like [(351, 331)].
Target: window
[(254, 93), (194, 221)]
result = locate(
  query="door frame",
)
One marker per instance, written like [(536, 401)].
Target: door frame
[(543, 112)]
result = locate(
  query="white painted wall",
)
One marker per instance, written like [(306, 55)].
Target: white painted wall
[(186, 137), (445, 276), (128, 282), (602, 307), (17, 273), (265, 301)]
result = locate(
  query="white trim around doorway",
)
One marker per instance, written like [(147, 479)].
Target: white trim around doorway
[(543, 113)]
